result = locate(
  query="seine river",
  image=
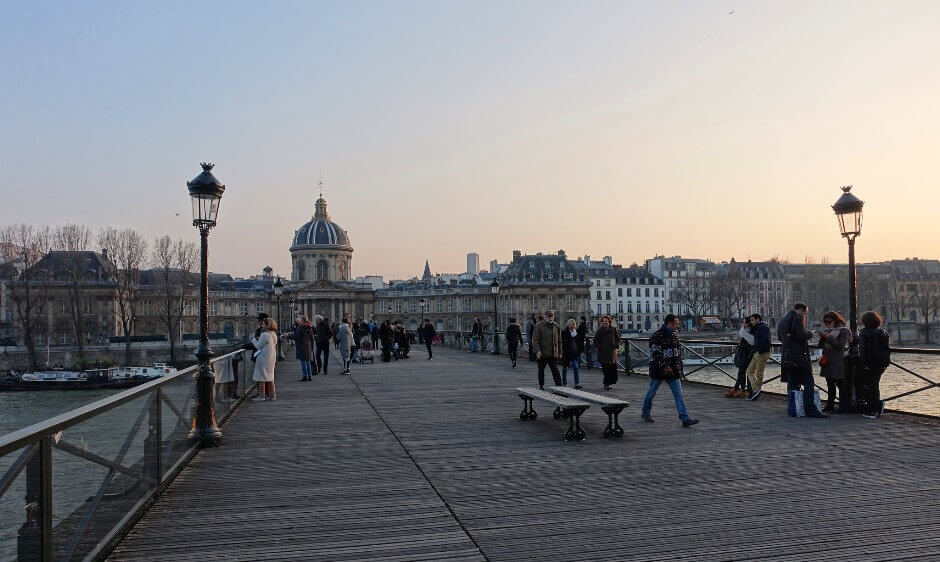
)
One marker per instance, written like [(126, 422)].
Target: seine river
[(76, 479)]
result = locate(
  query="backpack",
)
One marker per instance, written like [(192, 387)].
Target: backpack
[(877, 350)]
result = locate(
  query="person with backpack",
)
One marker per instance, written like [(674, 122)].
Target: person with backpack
[(513, 340), (875, 353), (742, 358)]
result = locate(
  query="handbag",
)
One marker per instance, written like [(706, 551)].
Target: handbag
[(824, 360)]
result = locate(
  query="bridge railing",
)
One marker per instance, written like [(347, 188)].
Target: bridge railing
[(72, 485)]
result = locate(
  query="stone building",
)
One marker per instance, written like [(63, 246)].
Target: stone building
[(321, 280), (632, 296)]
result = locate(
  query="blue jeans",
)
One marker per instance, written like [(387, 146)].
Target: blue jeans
[(675, 385), (474, 345), (564, 372), (305, 368)]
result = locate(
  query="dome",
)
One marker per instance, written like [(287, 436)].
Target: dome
[(321, 231)]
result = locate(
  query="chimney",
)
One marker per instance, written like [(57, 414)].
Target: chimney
[(516, 256), (587, 259), (608, 260), (494, 266), (561, 253)]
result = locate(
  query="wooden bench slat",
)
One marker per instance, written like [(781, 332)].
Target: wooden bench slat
[(588, 396), (551, 398)]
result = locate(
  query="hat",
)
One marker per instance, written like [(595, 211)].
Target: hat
[(262, 316)]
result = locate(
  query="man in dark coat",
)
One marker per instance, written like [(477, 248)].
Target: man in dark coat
[(529, 328), (428, 332), (385, 336), (666, 365), (322, 336), (546, 339), (513, 339), (795, 363), (582, 335)]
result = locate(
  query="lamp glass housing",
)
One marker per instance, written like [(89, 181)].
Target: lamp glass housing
[(205, 209)]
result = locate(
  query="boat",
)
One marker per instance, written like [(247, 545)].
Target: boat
[(154, 371), (89, 379)]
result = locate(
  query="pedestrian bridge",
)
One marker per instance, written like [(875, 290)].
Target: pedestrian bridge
[(428, 460)]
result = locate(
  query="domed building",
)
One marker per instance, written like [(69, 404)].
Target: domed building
[(321, 249), (321, 271)]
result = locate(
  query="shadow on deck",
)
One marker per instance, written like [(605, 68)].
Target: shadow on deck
[(427, 460)]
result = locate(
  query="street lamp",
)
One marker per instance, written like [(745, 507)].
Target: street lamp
[(423, 303), (848, 210), (206, 194), (278, 289), (494, 288)]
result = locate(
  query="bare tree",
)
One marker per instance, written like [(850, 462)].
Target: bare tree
[(22, 247), (729, 292), (175, 262), (695, 294), (925, 299), (74, 273), (128, 250)]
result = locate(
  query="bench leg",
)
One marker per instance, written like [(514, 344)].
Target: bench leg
[(558, 413), (527, 412), (574, 432), (613, 428)]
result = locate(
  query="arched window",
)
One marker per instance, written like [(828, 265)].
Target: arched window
[(323, 270), (342, 271), (302, 271)]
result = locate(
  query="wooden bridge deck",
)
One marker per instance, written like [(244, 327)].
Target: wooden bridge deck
[(427, 460)]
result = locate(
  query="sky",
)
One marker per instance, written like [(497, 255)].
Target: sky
[(438, 128)]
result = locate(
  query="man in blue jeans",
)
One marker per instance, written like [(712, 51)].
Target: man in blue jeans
[(666, 365)]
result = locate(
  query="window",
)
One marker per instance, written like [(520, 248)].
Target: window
[(302, 271), (647, 307), (647, 291), (629, 307), (259, 307), (451, 303), (63, 307), (40, 339), (569, 303), (414, 306), (620, 291), (213, 308), (656, 291), (438, 305), (598, 295), (467, 304), (608, 308), (323, 270), (243, 309), (87, 306), (657, 308), (629, 292), (397, 307), (598, 309), (551, 302), (64, 338), (620, 307)]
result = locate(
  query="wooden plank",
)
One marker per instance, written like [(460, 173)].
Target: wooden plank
[(422, 460)]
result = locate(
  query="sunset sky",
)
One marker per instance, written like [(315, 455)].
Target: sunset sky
[(443, 127)]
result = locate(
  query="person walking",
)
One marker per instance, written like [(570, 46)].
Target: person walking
[(607, 344), (357, 333), (834, 339), (582, 337), (874, 350), (755, 369), (322, 336), (530, 329), (546, 339), (344, 339), (385, 337), (569, 353), (476, 334), (428, 332), (302, 335), (666, 365), (513, 340), (742, 358), (265, 359), (795, 364)]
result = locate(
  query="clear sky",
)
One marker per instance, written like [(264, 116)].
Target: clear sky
[(442, 127)]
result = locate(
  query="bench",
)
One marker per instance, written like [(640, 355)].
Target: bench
[(567, 408), (611, 406)]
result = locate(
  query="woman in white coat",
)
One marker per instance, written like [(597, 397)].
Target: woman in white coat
[(344, 343), (266, 349)]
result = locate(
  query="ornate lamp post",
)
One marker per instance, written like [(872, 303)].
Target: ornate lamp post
[(848, 209), (278, 290), (494, 288), (206, 194)]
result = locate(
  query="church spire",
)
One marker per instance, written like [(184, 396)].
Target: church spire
[(427, 270)]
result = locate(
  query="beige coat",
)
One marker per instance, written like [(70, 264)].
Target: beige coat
[(264, 363), (546, 338)]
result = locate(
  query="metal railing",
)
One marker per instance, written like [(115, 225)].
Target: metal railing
[(80, 450)]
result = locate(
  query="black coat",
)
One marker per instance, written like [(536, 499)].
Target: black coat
[(513, 334), (303, 341), (582, 334), (323, 334), (569, 345), (428, 332), (665, 355), (607, 343), (794, 341)]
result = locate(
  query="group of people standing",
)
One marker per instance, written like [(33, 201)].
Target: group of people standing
[(312, 344), (857, 389)]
